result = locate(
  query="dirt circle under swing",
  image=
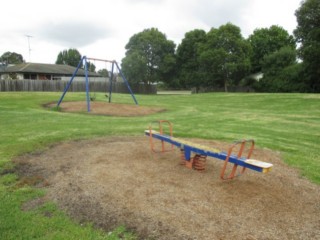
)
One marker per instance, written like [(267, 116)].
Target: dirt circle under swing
[(106, 108), (116, 181)]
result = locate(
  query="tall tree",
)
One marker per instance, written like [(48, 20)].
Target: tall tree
[(265, 41), (11, 58), (149, 57), (91, 66), (189, 69), (69, 57), (135, 67), (103, 72), (280, 72), (278, 60), (225, 56), (307, 34)]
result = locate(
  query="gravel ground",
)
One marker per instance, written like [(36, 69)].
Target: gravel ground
[(117, 180)]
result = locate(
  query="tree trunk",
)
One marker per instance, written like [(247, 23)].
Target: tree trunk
[(225, 85)]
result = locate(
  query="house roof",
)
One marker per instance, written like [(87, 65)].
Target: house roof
[(43, 68)]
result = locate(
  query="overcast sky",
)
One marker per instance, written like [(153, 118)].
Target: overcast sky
[(102, 28)]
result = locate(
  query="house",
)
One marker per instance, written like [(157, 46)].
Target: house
[(42, 71)]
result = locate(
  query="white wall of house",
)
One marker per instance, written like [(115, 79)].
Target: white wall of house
[(6, 76)]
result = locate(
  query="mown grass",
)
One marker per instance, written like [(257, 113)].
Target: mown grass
[(288, 123)]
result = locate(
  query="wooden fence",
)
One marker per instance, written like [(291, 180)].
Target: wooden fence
[(76, 86)]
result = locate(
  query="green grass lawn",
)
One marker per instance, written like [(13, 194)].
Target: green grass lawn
[(288, 123)]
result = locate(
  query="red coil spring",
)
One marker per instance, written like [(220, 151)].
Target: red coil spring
[(199, 162)]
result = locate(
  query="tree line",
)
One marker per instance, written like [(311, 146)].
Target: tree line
[(222, 57)]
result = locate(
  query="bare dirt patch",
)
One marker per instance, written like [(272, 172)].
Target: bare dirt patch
[(116, 180), (105, 108)]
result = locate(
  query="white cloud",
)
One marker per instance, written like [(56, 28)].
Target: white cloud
[(73, 33), (274, 12)]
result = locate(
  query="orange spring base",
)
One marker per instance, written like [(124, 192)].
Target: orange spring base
[(198, 162)]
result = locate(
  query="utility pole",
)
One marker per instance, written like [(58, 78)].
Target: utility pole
[(29, 48)]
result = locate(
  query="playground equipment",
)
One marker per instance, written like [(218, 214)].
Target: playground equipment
[(84, 61), (201, 152)]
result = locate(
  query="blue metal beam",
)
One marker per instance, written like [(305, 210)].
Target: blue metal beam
[(126, 82), (69, 83), (87, 82), (111, 80)]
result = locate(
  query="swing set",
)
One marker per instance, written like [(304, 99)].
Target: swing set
[(114, 67)]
